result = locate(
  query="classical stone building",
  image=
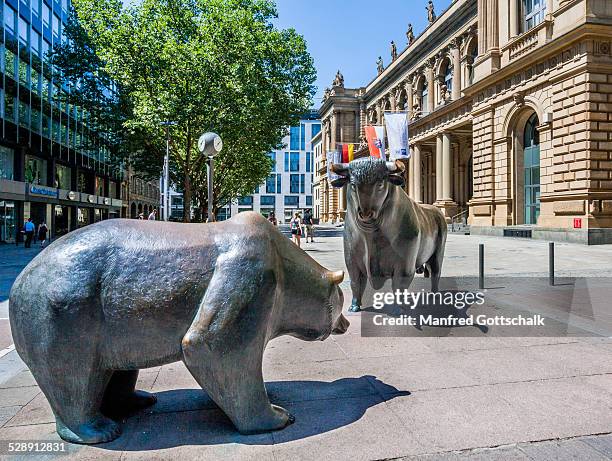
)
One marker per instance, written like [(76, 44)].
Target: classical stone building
[(510, 116)]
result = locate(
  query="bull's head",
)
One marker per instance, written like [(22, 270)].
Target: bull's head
[(370, 181)]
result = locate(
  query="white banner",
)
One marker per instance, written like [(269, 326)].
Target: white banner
[(397, 134), (332, 157)]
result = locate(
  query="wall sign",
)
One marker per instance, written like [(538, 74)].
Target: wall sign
[(43, 191), (577, 223)]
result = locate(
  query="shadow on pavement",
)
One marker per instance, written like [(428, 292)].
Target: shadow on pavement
[(189, 417)]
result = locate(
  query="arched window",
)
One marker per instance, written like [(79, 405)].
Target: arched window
[(531, 165), (448, 77), (533, 13), (424, 97)]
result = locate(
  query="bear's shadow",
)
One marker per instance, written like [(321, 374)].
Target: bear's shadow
[(190, 417)]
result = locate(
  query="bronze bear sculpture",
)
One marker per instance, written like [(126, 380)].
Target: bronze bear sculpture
[(387, 235), (107, 300)]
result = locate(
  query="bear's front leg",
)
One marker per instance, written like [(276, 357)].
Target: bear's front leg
[(223, 348), (234, 381)]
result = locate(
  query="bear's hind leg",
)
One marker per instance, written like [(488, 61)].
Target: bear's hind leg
[(75, 396), (121, 397)]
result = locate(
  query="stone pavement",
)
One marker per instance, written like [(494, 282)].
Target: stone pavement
[(360, 398)]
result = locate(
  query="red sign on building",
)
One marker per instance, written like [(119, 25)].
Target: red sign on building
[(577, 223)]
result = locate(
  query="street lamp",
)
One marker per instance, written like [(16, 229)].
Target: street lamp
[(210, 144), (166, 173)]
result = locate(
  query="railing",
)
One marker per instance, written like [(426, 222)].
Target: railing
[(454, 219)]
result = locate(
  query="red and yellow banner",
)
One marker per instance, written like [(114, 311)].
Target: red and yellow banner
[(375, 134)]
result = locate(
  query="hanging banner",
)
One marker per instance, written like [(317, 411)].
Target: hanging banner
[(397, 134), (375, 134), (332, 157), (348, 152)]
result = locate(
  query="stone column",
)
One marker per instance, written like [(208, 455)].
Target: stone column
[(362, 120), (334, 131), (431, 88), (439, 168), (514, 18), (482, 27), (416, 174), (457, 70), (409, 97), (493, 25), (446, 167), (392, 100)]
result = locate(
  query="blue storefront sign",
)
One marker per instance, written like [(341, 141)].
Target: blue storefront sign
[(43, 191)]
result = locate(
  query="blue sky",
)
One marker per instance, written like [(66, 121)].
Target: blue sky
[(350, 34)]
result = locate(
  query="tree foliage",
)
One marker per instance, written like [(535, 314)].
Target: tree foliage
[(208, 65)]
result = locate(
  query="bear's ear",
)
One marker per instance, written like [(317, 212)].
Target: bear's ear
[(335, 277)]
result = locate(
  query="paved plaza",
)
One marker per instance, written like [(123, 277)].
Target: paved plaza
[(355, 398)]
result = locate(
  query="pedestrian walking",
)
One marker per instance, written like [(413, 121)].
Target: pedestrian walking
[(29, 229), (296, 229), (272, 218), (42, 234), (309, 225), (152, 215)]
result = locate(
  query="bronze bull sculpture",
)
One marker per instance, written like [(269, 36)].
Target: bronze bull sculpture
[(109, 299), (387, 235)]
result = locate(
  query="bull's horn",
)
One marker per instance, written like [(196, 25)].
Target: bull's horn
[(395, 166), (340, 168), (335, 277)]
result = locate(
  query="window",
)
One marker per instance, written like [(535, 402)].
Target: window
[(24, 71), (294, 184), (278, 184), (9, 106), (302, 136), (448, 78), (302, 183), (63, 177), (10, 19), (65, 6), (316, 128), (35, 43), (295, 161), (35, 170), (36, 7), (308, 162), (46, 15), (45, 50), (424, 98), (271, 184), (7, 161), (24, 32), (534, 11), (309, 200), (100, 186), (56, 27), (272, 156), (10, 59), (291, 200), (24, 114), (294, 138), (286, 161), (245, 201), (268, 200)]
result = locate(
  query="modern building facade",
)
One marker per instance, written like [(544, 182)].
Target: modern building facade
[(510, 116), (289, 188), (52, 168)]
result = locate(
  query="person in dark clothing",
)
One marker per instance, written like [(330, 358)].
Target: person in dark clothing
[(308, 223), (29, 232), (42, 234)]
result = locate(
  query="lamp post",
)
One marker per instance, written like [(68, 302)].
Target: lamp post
[(210, 144), (166, 173)]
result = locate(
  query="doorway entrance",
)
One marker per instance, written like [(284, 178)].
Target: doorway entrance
[(531, 168)]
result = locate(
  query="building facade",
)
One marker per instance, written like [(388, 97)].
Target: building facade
[(289, 188), (510, 117), (52, 168)]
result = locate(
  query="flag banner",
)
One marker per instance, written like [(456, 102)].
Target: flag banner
[(375, 134), (348, 152), (397, 134), (332, 157)]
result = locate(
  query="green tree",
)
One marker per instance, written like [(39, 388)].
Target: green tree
[(208, 65)]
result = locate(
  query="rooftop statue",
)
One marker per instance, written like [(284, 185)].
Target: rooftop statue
[(379, 65), (109, 299), (339, 80), (431, 14), (409, 35), (393, 51)]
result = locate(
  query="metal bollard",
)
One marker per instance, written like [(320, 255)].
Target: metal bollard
[(551, 263), (481, 266)]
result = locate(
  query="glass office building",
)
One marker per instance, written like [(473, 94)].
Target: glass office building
[(53, 168), (289, 187)]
